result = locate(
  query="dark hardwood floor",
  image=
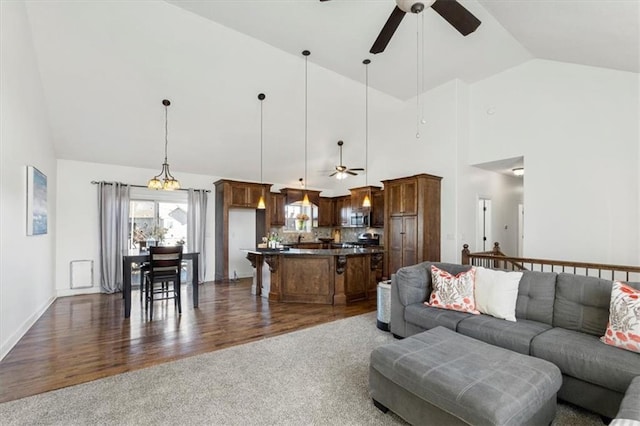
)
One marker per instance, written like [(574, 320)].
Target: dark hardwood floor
[(84, 338)]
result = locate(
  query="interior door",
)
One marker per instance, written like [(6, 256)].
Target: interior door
[(520, 230), (485, 238)]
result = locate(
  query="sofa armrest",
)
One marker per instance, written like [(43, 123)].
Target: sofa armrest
[(412, 284), (629, 412)]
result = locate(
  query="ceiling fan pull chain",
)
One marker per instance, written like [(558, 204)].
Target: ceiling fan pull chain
[(423, 121), (417, 78)]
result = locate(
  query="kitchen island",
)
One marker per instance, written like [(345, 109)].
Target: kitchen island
[(326, 276)]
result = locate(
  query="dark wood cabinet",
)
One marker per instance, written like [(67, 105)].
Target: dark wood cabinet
[(377, 209), (326, 214), (411, 221), (243, 194), (342, 210), (295, 195), (403, 238), (277, 209), (402, 196)]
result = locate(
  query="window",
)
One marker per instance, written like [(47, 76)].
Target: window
[(157, 218), (299, 218)]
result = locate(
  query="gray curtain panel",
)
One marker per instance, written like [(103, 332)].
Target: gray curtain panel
[(196, 226), (113, 208)]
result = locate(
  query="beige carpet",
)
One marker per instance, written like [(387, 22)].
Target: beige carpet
[(315, 376)]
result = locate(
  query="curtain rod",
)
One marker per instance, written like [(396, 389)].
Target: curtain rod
[(144, 186)]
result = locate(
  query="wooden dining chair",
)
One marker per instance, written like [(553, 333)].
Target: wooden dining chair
[(165, 265)]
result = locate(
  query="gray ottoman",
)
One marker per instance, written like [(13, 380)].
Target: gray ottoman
[(442, 377)]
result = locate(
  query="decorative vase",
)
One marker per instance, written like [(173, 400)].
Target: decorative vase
[(300, 225)]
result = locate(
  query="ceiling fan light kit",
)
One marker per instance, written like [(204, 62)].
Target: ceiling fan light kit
[(168, 182), (342, 171)]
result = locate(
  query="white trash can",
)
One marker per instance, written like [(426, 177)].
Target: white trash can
[(384, 305)]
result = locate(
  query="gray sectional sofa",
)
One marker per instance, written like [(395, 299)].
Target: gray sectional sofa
[(560, 318)]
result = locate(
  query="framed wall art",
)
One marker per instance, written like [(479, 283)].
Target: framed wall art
[(36, 202)]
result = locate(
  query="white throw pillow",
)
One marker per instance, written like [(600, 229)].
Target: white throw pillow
[(497, 292)]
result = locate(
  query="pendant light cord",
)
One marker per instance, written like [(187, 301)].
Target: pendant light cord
[(422, 73), (166, 132), (366, 122), (261, 121), (306, 61)]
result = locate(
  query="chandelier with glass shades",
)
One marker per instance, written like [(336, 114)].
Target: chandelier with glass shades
[(164, 180)]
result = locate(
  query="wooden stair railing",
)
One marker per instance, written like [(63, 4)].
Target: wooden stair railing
[(495, 259)]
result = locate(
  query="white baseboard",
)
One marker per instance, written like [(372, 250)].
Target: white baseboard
[(26, 325), (77, 291)]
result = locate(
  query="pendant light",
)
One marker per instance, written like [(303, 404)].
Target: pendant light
[(306, 53), (261, 203), (367, 199), (168, 182)]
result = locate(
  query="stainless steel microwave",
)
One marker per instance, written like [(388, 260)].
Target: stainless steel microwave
[(359, 219)]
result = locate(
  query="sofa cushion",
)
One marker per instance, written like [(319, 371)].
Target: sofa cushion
[(412, 280), (623, 329), (536, 294), (454, 292), (585, 357), (496, 292), (582, 303), (516, 336), (427, 317)]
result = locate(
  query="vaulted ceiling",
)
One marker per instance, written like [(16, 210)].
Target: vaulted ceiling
[(106, 66), (339, 33)]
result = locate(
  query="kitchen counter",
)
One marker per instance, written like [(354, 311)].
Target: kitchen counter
[(317, 252), (327, 276)]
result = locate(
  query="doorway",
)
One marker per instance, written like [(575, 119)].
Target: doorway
[(242, 235), (520, 230), (485, 239)]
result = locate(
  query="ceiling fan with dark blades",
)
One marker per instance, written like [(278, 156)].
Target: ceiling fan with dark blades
[(343, 171), (452, 11)]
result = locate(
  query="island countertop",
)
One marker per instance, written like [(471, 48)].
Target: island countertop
[(316, 252), (329, 276)]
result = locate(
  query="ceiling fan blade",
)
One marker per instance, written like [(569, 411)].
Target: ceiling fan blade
[(358, 169), (333, 174), (351, 173), (455, 14), (387, 31)]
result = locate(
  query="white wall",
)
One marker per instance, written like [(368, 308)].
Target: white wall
[(26, 262), (396, 152), (577, 128)]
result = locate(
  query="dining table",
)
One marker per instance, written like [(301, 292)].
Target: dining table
[(141, 257)]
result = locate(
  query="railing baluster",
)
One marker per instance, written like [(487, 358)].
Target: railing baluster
[(497, 259)]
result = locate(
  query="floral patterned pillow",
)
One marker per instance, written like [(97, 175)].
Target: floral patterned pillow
[(455, 292), (623, 329)]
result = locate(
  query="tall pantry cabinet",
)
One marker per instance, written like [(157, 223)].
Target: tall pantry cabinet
[(411, 221)]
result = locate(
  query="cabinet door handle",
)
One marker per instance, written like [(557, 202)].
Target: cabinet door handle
[(402, 233)]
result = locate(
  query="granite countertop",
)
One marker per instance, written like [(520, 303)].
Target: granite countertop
[(317, 252)]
